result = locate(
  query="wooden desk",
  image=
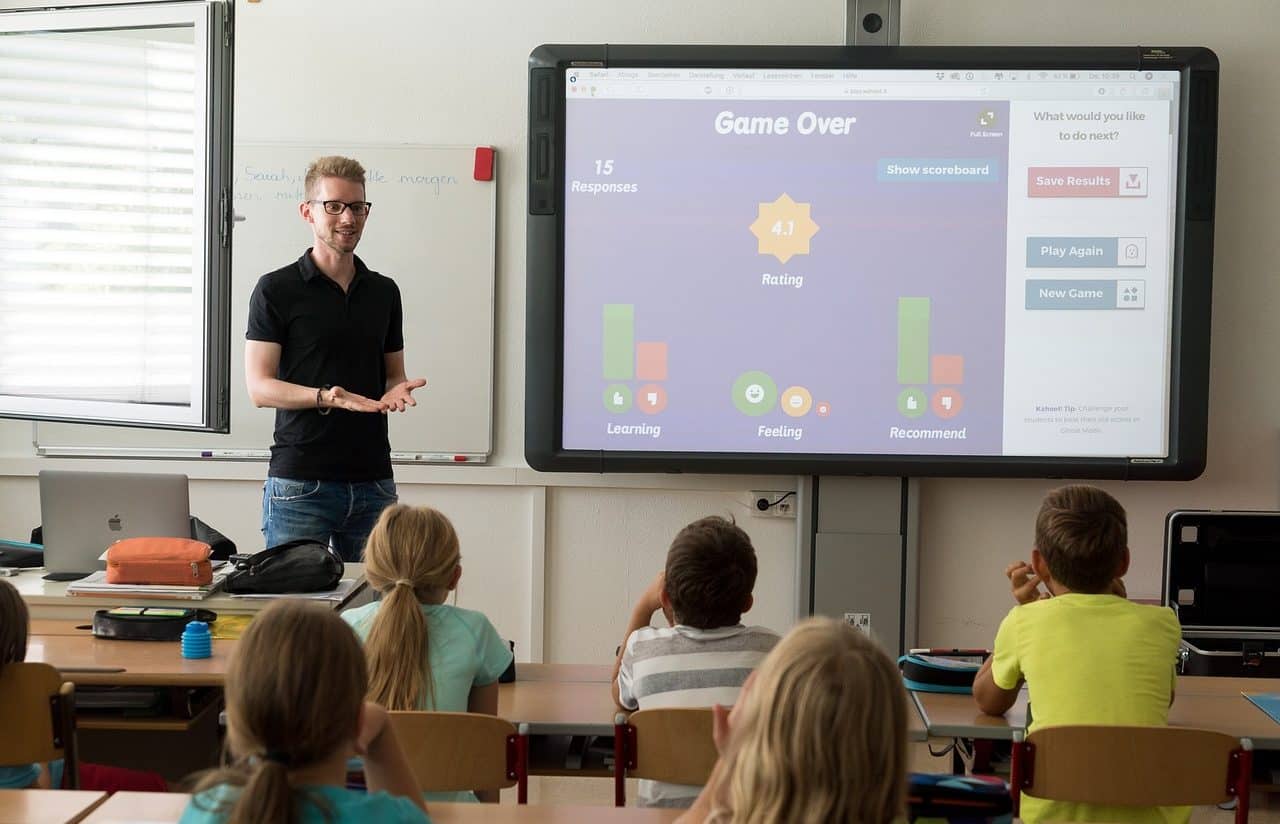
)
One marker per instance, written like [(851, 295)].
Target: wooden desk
[(1233, 714), (100, 661), (947, 715), (1200, 685), (1210, 703), (574, 699), (558, 707), (182, 739), (59, 626), (165, 807), (49, 599), (587, 673), (546, 814), (44, 806)]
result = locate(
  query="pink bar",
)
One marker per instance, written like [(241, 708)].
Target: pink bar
[(651, 361), (1073, 181), (948, 370)]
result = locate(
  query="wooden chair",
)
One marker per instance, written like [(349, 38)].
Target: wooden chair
[(1132, 766), (37, 714), (456, 751), (673, 745)]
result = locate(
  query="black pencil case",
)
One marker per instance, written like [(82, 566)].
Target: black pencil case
[(147, 623)]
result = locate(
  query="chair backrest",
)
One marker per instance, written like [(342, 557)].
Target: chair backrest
[(37, 714), (454, 751), (672, 745), (1133, 766)]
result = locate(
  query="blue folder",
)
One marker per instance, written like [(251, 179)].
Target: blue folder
[(1267, 702)]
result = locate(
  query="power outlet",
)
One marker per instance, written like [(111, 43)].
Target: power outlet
[(860, 621), (772, 504)]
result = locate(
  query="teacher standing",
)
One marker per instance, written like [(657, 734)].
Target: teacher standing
[(325, 349)]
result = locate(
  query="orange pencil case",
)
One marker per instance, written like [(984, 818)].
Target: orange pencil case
[(171, 561)]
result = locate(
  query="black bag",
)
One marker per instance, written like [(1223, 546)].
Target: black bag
[(965, 798), (1220, 577), (304, 565), (18, 556), (222, 547), (941, 672)]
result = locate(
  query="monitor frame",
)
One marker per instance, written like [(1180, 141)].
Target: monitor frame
[(1191, 282)]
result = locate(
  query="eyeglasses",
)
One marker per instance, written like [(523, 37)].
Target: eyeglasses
[(359, 208)]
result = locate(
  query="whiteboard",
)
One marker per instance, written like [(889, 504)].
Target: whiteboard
[(432, 229)]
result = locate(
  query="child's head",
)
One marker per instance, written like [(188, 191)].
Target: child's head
[(295, 692), (820, 733), (711, 570), (1083, 537), (13, 625), (412, 557)]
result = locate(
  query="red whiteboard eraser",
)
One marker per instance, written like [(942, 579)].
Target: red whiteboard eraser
[(484, 163)]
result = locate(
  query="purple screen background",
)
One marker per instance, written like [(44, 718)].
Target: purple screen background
[(681, 251)]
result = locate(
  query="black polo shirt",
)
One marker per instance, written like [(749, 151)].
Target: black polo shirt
[(328, 336)]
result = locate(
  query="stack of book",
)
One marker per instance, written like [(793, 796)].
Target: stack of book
[(96, 584)]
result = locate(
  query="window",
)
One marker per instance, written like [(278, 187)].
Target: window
[(115, 144)]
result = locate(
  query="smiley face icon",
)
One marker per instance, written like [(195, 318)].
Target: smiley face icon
[(754, 393)]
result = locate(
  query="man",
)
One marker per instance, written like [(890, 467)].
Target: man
[(325, 349)]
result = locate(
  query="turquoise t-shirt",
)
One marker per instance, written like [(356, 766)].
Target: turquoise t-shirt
[(24, 776), (19, 778), (344, 807), (463, 648)]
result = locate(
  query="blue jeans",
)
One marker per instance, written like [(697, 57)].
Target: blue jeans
[(338, 513)]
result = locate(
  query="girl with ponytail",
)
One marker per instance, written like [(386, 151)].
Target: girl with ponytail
[(296, 710), (424, 654)]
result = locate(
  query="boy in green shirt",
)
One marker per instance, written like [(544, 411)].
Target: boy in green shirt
[(1087, 655)]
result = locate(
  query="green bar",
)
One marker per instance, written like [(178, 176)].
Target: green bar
[(619, 341), (913, 340)]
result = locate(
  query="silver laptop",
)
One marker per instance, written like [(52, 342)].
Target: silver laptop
[(83, 513)]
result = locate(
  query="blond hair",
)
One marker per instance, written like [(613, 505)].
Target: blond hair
[(294, 690), (410, 557), (821, 735), (14, 623), (332, 166)]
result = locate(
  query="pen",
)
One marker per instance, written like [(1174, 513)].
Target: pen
[(947, 651)]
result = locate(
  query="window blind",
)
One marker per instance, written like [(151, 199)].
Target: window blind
[(101, 277)]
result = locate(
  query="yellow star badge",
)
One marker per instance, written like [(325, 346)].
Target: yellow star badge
[(783, 228)]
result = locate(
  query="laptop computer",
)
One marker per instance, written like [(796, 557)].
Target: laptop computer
[(83, 513)]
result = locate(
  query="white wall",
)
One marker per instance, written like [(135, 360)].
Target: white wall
[(560, 558)]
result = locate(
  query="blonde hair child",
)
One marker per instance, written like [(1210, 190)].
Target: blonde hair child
[(295, 693), (819, 734), (413, 558), (425, 654)]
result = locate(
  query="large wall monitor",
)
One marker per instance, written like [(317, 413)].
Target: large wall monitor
[(912, 261)]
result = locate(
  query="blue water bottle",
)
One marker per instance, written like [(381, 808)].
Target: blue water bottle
[(197, 642)]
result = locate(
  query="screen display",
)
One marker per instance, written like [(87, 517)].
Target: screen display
[(875, 262)]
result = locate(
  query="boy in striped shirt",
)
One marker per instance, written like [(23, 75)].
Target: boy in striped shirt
[(706, 653)]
